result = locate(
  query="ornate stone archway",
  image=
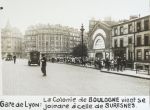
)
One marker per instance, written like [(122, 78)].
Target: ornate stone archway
[(100, 41)]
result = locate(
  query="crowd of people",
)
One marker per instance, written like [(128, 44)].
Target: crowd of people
[(116, 64), (72, 60)]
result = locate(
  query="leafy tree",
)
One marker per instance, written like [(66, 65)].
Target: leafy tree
[(77, 51)]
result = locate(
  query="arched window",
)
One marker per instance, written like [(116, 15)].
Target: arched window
[(99, 43)]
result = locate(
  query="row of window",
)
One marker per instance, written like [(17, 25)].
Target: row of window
[(146, 54), (52, 31), (131, 28), (139, 55), (52, 38), (138, 41), (146, 41)]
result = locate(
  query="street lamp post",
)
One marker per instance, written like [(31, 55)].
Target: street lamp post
[(82, 30), (134, 41)]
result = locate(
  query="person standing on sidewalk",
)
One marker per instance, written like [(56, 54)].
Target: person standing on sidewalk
[(107, 64), (14, 57), (121, 65), (43, 68), (124, 64), (118, 63), (100, 64), (112, 64)]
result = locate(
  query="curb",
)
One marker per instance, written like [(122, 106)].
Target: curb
[(126, 75)]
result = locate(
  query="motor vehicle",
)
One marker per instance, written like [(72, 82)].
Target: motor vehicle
[(34, 58), (9, 57)]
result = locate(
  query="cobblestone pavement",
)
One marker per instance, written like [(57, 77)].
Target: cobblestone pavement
[(62, 79)]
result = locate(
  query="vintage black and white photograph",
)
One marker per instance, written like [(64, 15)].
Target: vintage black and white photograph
[(75, 47)]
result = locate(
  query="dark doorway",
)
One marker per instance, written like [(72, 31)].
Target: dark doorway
[(99, 55)]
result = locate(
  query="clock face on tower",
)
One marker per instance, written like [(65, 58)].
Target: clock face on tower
[(99, 43)]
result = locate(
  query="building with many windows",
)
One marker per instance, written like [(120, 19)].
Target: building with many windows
[(131, 39), (53, 40), (11, 41)]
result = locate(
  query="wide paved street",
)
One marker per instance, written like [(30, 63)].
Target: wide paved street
[(62, 79)]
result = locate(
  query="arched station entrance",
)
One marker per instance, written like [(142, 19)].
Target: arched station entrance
[(100, 41)]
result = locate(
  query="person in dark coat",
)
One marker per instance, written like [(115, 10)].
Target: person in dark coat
[(43, 68), (100, 64), (121, 65), (124, 64), (118, 63), (107, 64), (53, 60), (14, 57)]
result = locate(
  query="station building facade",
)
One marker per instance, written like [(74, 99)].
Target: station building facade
[(99, 38)]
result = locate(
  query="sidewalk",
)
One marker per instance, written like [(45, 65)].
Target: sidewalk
[(127, 72), (131, 73)]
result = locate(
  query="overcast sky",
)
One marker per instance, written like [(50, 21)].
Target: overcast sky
[(23, 13)]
